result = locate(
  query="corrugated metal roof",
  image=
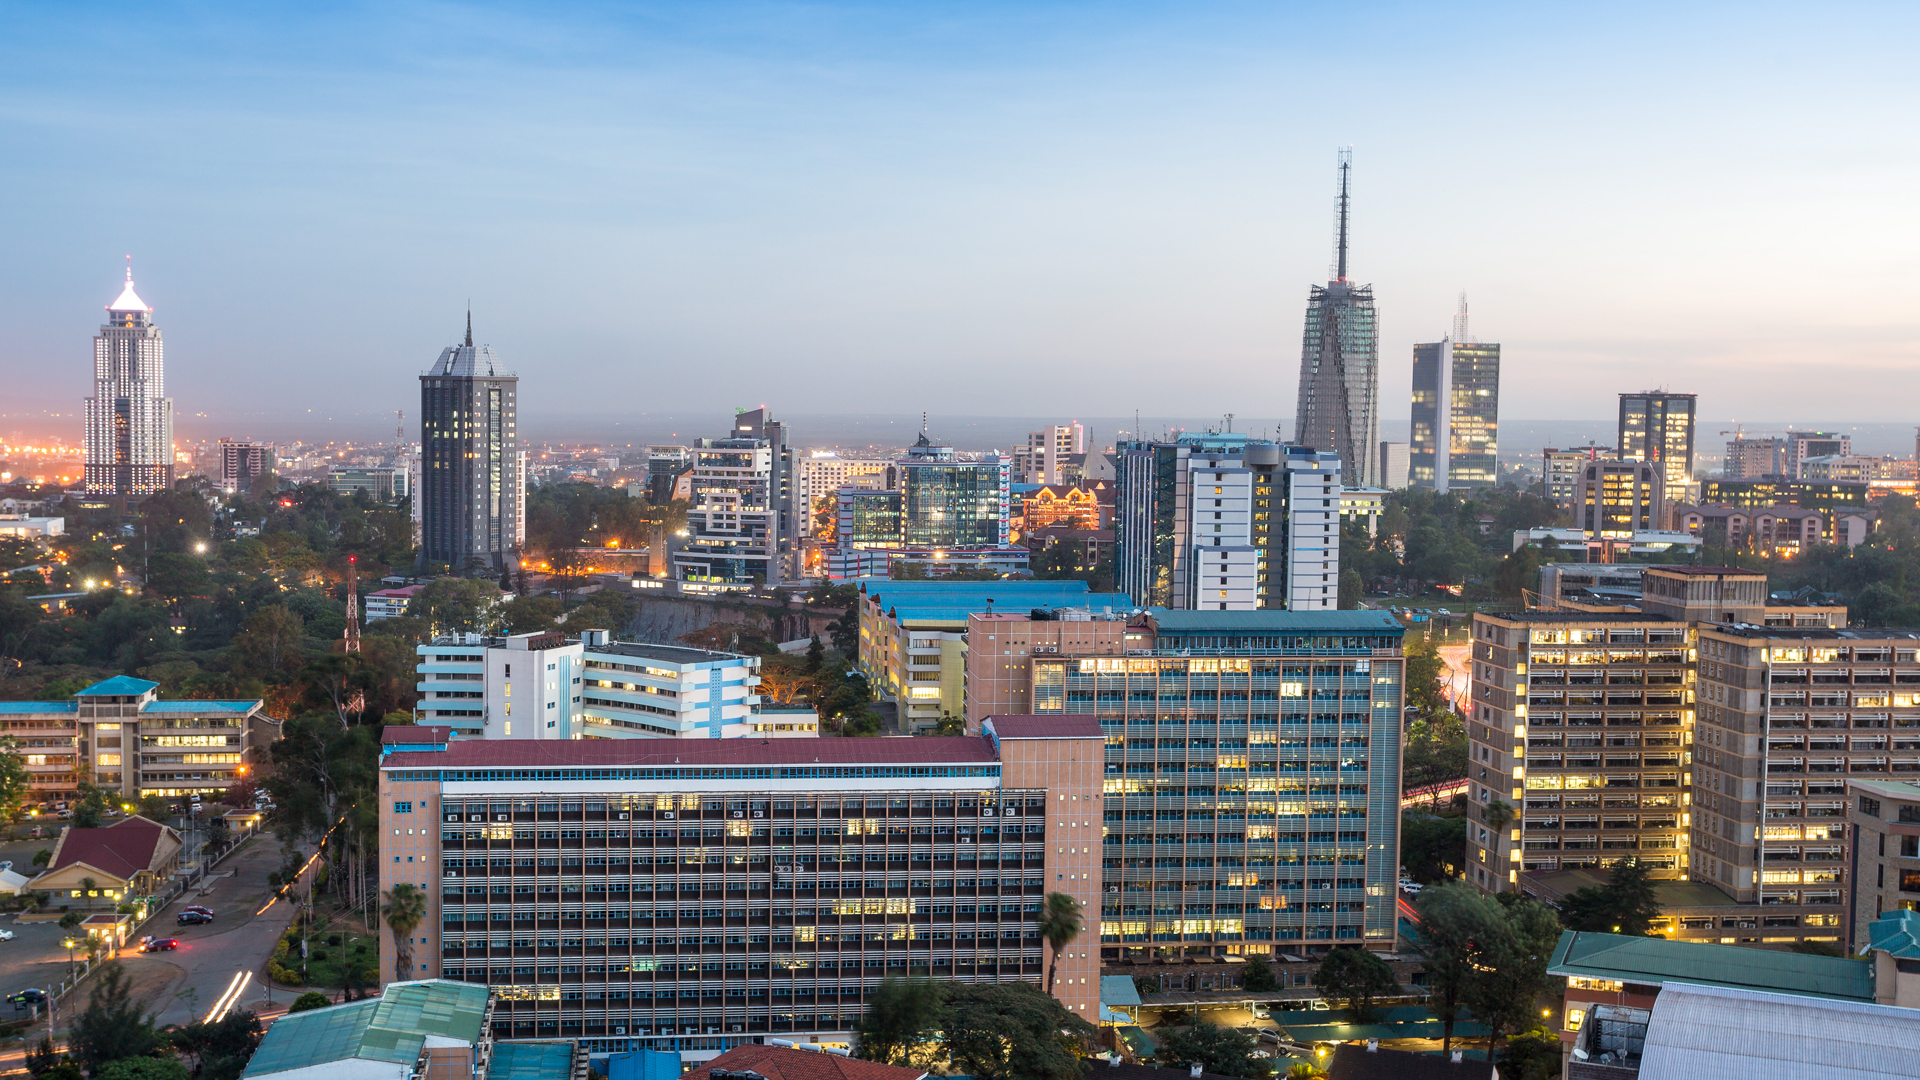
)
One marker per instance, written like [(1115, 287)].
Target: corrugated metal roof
[(392, 1027), (1723, 1033), (199, 706), (1275, 621), (1656, 961), (531, 1061), (18, 707), (653, 753), (119, 685)]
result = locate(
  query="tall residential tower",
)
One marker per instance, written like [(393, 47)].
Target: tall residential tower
[(129, 417), (1340, 365), (473, 476), (1456, 411)]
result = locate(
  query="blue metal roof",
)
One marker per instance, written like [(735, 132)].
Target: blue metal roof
[(953, 601), (1898, 932), (194, 705), (119, 686), (38, 706)]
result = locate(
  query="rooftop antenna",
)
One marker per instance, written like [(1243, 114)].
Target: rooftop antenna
[(1229, 423), (469, 324), (1340, 246), (353, 604), (1460, 320), (400, 425)]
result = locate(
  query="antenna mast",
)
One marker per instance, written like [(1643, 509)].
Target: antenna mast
[(400, 426), (353, 604), (1346, 168)]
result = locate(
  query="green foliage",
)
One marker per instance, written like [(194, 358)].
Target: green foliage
[(1257, 975), (113, 1026), (1484, 953), (899, 1025), (1816, 948), (949, 724), (1013, 1031), (13, 776), (271, 643), (1436, 751), (1423, 679), (312, 999), (1531, 1055), (222, 1049), (1433, 847), (1351, 589), (1454, 919), (95, 802), (1214, 1048), (405, 906), (1059, 924), (1624, 905), (1355, 975), (143, 1068), (529, 614)]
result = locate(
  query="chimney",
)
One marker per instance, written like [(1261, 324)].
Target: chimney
[(1373, 1046), (1458, 1056)]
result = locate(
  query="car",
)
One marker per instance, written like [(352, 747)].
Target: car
[(198, 910), (194, 918), (29, 996), (165, 944), (6, 865), (1261, 1012), (1411, 888)]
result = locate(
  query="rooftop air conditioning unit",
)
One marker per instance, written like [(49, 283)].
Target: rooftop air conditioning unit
[(667, 814), (619, 1031), (736, 1027), (986, 813), (741, 814), (759, 813), (624, 817)]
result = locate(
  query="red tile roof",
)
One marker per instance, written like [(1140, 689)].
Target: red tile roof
[(122, 849), (394, 734), (1063, 726), (647, 753), (787, 1063)]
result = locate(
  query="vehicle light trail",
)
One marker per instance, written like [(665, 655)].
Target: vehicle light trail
[(232, 994)]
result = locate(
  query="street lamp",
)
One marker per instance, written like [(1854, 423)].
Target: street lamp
[(71, 945)]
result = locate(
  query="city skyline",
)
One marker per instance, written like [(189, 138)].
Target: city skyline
[(798, 191)]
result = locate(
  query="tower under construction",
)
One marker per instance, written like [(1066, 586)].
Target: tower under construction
[(1340, 363)]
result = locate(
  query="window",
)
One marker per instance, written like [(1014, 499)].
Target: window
[(403, 808), (1910, 881)]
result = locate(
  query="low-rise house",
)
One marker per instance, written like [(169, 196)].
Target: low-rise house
[(104, 867)]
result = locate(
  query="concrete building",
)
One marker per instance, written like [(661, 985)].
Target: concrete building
[(1758, 494), (390, 603), (823, 474), (1456, 411), (1221, 522), (1788, 529), (733, 524), (1339, 404), (473, 479), (118, 734), (32, 528), (1561, 470), (1799, 446), (1616, 499), (1046, 457), (1396, 465), (699, 896), (1751, 457), (1851, 468), (242, 462), (129, 418), (386, 484), (429, 1029), (789, 521), (1656, 427), (949, 512), (586, 687), (1885, 870), (1590, 585)]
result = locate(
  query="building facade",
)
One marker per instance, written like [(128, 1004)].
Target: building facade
[(1396, 466), (789, 520), (1338, 405), (698, 896), (1616, 499), (1657, 427), (242, 463), (823, 475), (473, 478), (1884, 816), (952, 501), (1046, 457), (1456, 411), (733, 520), (1798, 446), (129, 418), (1560, 470)]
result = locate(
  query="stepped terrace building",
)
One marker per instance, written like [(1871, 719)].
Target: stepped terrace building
[(691, 896)]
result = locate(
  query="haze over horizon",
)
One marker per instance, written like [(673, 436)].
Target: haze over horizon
[(995, 210)]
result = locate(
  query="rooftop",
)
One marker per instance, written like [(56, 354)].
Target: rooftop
[(788, 1063), (531, 1061), (122, 849), (391, 1028), (432, 734), (694, 753), (1705, 571), (1571, 617), (1712, 1031), (1656, 961), (38, 706), (1352, 1061), (666, 654), (1046, 727), (1817, 633), (128, 300), (1898, 932), (118, 686), (1888, 789), (1275, 621)]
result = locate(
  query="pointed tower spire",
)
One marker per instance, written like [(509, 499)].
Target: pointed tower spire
[(1340, 263), (469, 326), (1460, 320)]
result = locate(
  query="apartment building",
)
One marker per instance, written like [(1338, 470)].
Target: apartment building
[(698, 896), (1560, 469), (1001, 647), (1615, 500), (587, 687), (1252, 769), (1885, 820), (733, 523), (118, 734)]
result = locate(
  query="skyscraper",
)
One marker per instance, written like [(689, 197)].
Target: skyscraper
[(1456, 411), (129, 432), (760, 424), (1658, 427), (1340, 365), (473, 476)]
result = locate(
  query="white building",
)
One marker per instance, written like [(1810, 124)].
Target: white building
[(32, 528), (733, 523), (548, 686), (1241, 498), (823, 473), (1043, 459), (129, 433), (390, 603)]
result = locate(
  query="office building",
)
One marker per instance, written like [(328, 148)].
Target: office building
[(733, 523), (1885, 816), (1616, 499), (1456, 411), (585, 687), (1252, 770), (1787, 529), (1338, 409), (953, 512), (119, 735), (1751, 457), (382, 484), (242, 463), (1798, 446), (1224, 522), (781, 488), (1657, 427), (692, 897), (1852, 468), (473, 481), (1759, 494), (913, 635), (1046, 457), (1396, 465), (129, 418), (822, 475), (664, 465), (1560, 470)]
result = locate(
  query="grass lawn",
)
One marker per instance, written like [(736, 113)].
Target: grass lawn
[(332, 948)]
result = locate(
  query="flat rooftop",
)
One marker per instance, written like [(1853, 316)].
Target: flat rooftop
[(1609, 617), (694, 753), (1656, 961), (1276, 621), (1704, 571), (1812, 633), (666, 654)]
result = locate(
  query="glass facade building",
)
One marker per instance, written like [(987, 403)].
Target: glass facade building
[(1252, 778), (1456, 415), (951, 502), (473, 476), (1657, 427)]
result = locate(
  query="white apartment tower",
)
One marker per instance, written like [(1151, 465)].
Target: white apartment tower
[(129, 436)]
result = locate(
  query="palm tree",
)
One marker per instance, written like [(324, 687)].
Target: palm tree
[(1305, 1070), (1499, 814), (406, 905), (1059, 924)]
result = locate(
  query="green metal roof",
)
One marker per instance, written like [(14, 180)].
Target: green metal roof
[(1655, 961), (1898, 932), (119, 685), (393, 1027), (1275, 621), (531, 1061)]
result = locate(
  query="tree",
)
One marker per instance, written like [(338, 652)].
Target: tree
[(1351, 589), (901, 1016), (1214, 1048), (312, 999), (220, 1050), (13, 775), (1432, 847), (1624, 905), (1257, 976), (43, 856), (1059, 925), (1358, 976), (1454, 919), (1511, 972), (173, 576), (91, 811), (1423, 677), (949, 724), (142, 1068), (1304, 1070), (1012, 1031), (113, 1026), (1534, 1055), (1498, 814), (816, 655), (406, 905), (271, 644)]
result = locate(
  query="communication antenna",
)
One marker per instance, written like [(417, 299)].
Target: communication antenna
[(400, 426), (1460, 320), (1340, 240), (353, 604)]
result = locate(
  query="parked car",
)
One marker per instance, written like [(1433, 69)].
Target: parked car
[(193, 918), (6, 935), (1410, 887), (29, 996), (208, 912), (165, 944), (7, 865)]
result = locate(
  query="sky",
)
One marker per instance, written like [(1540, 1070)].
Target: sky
[(1013, 209)]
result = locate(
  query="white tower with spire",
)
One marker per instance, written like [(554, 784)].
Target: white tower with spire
[(129, 435)]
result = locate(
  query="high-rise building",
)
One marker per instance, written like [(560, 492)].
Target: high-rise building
[(1799, 446), (824, 474), (1227, 523), (760, 424), (242, 462), (1338, 408), (1252, 768), (473, 476), (129, 435), (1560, 470), (733, 520), (1751, 457), (948, 512), (1616, 499), (664, 464), (1657, 427), (1456, 411), (1046, 457), (1396, 465)]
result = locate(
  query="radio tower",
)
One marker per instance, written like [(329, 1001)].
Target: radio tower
[(353, 604)]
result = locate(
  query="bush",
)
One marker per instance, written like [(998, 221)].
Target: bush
[(312, 999), (284, 975), (333, 939), (319, 955)]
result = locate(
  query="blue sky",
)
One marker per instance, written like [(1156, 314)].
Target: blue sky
[(1027, 209)]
